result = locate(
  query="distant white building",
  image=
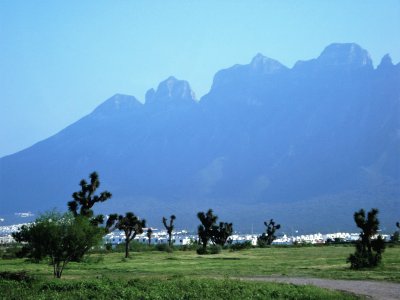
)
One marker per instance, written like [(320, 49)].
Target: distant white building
[(7, 239)]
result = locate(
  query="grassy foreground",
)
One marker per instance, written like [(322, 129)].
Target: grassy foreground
[(150, 288), (186, 275)]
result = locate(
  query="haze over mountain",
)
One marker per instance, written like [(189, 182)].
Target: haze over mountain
[(306, 146)]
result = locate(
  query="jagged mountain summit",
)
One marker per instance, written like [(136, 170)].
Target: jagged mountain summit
[(306, 146)]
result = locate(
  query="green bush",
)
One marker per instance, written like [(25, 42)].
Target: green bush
[(201, 250), (164, 248), (16, 276), (240, 246), (215, 249)]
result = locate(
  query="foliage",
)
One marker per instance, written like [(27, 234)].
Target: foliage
[(158, 288), (221, 233), (215, 249), (164, 248), (268, 237), (84, 199), (368, 249), (130, 224), (16, 276), (169, 228), (240, 246), (205, 229), (61, 237), (209, 230), (395, 238)]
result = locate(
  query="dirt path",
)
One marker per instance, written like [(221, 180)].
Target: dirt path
[(371, 289)]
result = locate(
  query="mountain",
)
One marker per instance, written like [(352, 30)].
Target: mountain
[(306, 146)]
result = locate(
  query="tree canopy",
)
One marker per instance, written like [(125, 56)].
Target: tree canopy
[(84, 199), (370, 246), (61, 237), (130, 224)]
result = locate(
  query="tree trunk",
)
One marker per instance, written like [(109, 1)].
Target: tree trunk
[(126, 248)]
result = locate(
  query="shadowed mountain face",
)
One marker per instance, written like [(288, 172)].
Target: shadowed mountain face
[(306, 146)]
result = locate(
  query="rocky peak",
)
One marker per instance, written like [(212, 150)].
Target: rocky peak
[(347, 55), (265, 65), (171, 90), (386, 62)]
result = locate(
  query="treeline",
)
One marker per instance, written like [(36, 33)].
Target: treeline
[(66, 237)]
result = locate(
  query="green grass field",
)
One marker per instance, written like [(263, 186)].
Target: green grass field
[(186, 268)]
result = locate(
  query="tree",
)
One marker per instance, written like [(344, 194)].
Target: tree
[(221, 233), (84, 199), (269, 236), (395, 238), (169, 228), (369, 248), (149, 234), (61, 237), (205, 229), (130, 224)]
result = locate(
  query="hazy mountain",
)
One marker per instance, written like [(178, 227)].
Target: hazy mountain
[(306, 146)]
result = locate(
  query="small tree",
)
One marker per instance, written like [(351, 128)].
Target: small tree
[(169, 228), (395, 238), (84, 199), (368, 248), (269, 236), (149, 234), (130, 224), (221, 233), (61, 237), (205, 229)]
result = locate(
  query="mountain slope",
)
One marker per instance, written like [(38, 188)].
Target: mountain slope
[(314, 142)]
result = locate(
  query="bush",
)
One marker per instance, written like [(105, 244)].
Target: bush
[(16, 276), (201, 251), (215, 249), (368, 250), (12, 251), (164, 248), (212, 249), (240, 246)]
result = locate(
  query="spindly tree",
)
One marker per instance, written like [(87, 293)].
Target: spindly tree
[(269, 235), (60, 237), (149, 233), (84, 199), (221, 233), (205, 229), (369, 247), (396, 235), (169, 228), (130, 224)]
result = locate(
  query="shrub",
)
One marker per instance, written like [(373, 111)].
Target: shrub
[(240, 246), (201, 251), (16, 276), (164, 248), (368, 249), (215, 249)]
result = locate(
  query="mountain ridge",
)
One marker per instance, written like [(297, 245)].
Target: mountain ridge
[(266, 140)]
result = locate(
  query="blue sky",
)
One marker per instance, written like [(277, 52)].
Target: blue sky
[(60, 59)]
